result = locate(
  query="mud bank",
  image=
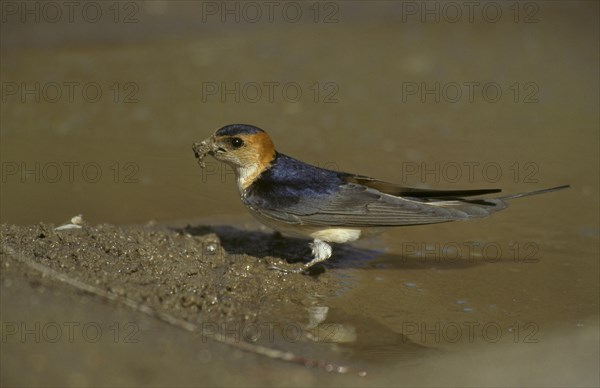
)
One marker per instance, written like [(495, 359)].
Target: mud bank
[(198, 306), (212, 282)]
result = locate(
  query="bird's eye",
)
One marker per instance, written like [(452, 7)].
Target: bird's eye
[(236, 142)]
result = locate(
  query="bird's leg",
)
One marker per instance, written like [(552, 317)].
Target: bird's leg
[(321, 251)]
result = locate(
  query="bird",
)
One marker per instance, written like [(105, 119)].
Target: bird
[(298, 199)]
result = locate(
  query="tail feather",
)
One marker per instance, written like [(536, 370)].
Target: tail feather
[(483, 207), (535, 192)]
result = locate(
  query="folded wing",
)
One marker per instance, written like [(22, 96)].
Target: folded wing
[(359, 205)]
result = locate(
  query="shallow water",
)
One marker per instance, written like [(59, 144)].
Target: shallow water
[(382, 94)]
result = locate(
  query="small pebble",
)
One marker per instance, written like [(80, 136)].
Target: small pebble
[(409, 284), (211, 248), (68, 226)]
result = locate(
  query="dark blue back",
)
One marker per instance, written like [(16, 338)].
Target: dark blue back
[(289, 180)]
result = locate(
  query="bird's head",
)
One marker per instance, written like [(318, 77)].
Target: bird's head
[(246, 148)]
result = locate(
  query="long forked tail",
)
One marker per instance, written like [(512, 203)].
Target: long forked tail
[(535, 192), (464, 208)]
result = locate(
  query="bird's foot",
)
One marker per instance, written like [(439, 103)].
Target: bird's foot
[(321, 252)]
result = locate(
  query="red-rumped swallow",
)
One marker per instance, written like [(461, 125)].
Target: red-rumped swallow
[(301, 200)]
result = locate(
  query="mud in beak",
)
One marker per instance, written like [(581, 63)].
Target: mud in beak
[(203, 148)]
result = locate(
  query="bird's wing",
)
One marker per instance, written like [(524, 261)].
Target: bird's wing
[(358, 205), (402, 191)]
